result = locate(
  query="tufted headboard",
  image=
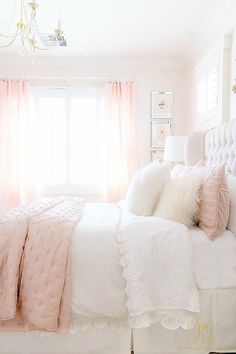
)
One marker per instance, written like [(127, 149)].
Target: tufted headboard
[(220, 146), (217, 146)]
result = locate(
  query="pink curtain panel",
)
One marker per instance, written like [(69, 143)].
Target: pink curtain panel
[(16, 148), (120, 138)]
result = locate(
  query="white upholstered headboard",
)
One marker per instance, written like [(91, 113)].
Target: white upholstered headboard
[(217, 146)]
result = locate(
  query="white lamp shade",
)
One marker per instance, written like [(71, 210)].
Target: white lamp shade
[(174, 148)]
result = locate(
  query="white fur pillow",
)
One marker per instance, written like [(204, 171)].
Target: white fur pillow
[(181, 170), (179, 200), (145, 188)]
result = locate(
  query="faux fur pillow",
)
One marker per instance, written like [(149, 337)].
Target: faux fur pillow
[(182, 170), (145, 188), (213, 213), (179, 200)]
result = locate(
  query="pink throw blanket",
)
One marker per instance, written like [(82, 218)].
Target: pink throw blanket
[(35, 263)]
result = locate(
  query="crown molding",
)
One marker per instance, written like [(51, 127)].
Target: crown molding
[(220, 21), (68, 64)]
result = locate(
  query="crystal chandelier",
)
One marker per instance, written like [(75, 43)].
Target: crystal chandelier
[(27, 33)]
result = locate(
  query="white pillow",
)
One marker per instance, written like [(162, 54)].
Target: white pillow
[(179, 200), (181, 170), (145, 188)]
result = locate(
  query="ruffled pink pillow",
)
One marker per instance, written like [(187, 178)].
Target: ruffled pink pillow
[(214, 200)]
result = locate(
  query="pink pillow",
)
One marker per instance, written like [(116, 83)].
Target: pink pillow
[(214, 207), (214, 200)]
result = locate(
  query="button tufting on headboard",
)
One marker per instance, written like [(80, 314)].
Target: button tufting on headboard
[(217, 146), (220, 146)]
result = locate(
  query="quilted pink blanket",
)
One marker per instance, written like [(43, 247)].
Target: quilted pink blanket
[(35, 263)]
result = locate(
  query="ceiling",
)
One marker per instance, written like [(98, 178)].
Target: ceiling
[(120, 28)]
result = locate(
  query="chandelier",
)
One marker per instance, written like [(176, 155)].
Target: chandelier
[(26, 31)]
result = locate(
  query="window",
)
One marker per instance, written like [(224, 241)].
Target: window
[(207, 76), (207, 93), (69, 145)]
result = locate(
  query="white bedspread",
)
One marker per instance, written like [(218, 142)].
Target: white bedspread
[(131, 268), (214, 262)]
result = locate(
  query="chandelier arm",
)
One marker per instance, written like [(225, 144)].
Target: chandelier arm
[(24, 36), (31, 20), (30, 27), (10, 43), (32, 16), (8, 36), (23, 43)]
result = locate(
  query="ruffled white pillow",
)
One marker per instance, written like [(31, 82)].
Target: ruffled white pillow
[(145, 188), (179, 200)]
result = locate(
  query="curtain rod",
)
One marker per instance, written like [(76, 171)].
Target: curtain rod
[(68, 79)]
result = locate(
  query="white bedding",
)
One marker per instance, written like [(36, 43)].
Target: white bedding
[(124, 270), (99, 277), (214, 262), (95, 268)]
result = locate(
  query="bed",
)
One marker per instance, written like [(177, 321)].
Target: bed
[(101, 329), (214, 263)]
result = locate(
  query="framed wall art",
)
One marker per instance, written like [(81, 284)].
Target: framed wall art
[(157, 155), (159, 132), (161, 105)]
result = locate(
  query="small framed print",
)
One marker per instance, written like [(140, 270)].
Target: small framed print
[(161, 105), (159, 132), (157, 155)]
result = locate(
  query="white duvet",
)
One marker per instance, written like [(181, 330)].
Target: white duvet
[(131, 269)]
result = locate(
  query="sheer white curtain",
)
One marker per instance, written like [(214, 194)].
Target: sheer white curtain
[(16, 149), (120, 138)]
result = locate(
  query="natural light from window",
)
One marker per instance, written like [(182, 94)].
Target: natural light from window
[(69, 145)]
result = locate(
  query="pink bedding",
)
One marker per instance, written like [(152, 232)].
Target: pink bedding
[(35, 264)]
